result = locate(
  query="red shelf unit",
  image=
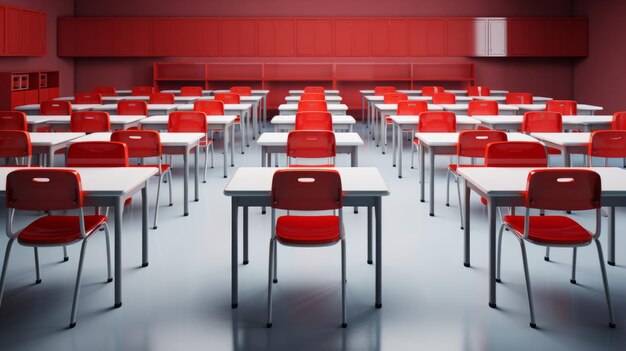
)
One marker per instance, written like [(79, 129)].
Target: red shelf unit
[(31, 87), (22, 31)]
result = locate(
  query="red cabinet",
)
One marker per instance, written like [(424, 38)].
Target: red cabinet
[(427, 38), (314, 38), (22, 32), (547, 37), (237, 38), (352, 38), (22, 88), (390, 38), (275, 38), (2, 31), (132, 38), (12, 31), (466, 37)]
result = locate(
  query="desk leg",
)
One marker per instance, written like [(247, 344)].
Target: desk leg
[(354, 157), (431, 186), (263, 156), (254, 121), (248, 127), (50, 157), (421, 155), (611, 238), (232, 145), (196, 181), (234, 288), (400, 146), (186, 182), (118, 252), (264, 110), (492, 214), (566, 158), (144, 225), (362, 108), (379, 253), (466, 227), (226, 139), (383, 132), (369, 235), (245, 235)]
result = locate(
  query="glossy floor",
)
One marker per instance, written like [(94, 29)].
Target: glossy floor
[(430, 301)]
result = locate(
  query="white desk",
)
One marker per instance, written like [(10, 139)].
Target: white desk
[(502, 99), (251, 187), (287, 122), (461, 109), (117, 121), (225, 123), (153, 109), (255, 92), (34, 109), (116, 99), (292, 109), (49, 143), (403, 123), (444, 144), (382, 110), (276, 143), (255, 100), (111, 186), (123, 92), (326, 92), (587, 123), (294, 99), (177, 92), (504, 187), (582, 109), (567, 143)]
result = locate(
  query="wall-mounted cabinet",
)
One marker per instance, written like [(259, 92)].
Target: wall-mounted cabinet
[(22, 32), (31, 87)]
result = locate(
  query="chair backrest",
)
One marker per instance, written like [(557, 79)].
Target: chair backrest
[(383, 89), (393, 98), (619, 121), (87, 98), (563, 189), (13, 120), (411, 107), (565, 107), (519, 98), (15, 143), (209, 107), (482, 108), (444, 98), (187, 121), (40, 189), (61, 108), (607, 144), (105, 91), (307, 190), (191, 91), (437, 121), (90, 122), (311, 144), (314, 89), (313, 96), (516, 154), (242, 91), (140, 143), (312, 105), (228, 98), (472, 143), (97, 154), (132, 107), (542, 122), (141, 91), (161, 98), (314, 120), (478, 91), (431, 90)]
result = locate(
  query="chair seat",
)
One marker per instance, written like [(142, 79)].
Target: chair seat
[(307, 230), (58, 230), (551, 230)]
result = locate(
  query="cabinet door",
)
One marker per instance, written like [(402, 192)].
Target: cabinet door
[(436, 37), (352, 38), (497, 37), (31, 97), (466, 37), (32, 32), (17, 99), (398, 38), (314, 38), (380, 38), (266, 38), (2, 31), (285, 38), (132, 37), (237, 38), (418, 38), (578, 35), (12, 18), (66, 37), (94, 37)]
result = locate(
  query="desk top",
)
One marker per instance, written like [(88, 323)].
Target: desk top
[(50, 139), (326, 91), (251, 98), (211, 119), (394, 107), (331, 107), (329, 98), (75, 107), (518, 119), (542, 107), (280, 139), (227, 107), (167, 139), (452, 139), (464, 107), (564, 139), (291, 119), (414, 119)]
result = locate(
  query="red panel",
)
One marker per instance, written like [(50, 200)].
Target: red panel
[(228, 38), (18, 99), (285, 38), (66, 37), (578, 37), (208, 33), (246, 37), (398, 38), (418, 38), (53, 93), (266, 34), (180, 37), (33, 33), (466, 37), (132, 38), (343, 38), (94, 38), (44, 95), (436, 38), (324, 38), (31, 97), (2, 31), (12, 31), (360, 38), (557, 38), (314, 38), (380, 38)]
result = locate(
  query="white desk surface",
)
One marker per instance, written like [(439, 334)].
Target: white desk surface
[(246, 99), (254, 92), (51, 139), (414, 119), (567, 119), (355, 181), (500, 98), (564, 139), (151, 107), (123, 91), (113, 119), (380, 98), (75, 107), (452, 139), (464, 107), (211, 119), (542, 107), (326, 91), (394, 107), (167, 139), (280, 139), (291, 119), (105, 99), (331, 107), (227, 107), (177, 91), (329, 98)]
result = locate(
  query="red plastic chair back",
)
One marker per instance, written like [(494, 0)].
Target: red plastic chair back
[(312, 96), (619, 121), (105, 91), (58, 108), (472, 143), (516, 154), (97, 154), (141, 91), (382, 90), (482, 108), (431, 90), (563, 189), (393, 98), (191, 91), (564, 107), (311, 144), (13, 120), (41, 189), (312, 105), (132, 108), (542, 122), (411, 107), (228, 98), (519, 98), (88, 98), (209, 107), (437, 121), (140, 143), (15, 143), (478, 91), (314, 121), (444, 98), (314, 89), (607, 144), (306, 190), (90, 122), (187, 122), (161, 98), (242, 91)]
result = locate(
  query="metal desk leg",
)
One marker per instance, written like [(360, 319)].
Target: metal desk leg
[(431, 171), (186, 183), (422, 182), (466, 227), (196, 181), (492, 214), (232, 145), (118, 252), (144, 225), (226, 141), (379, 253), (369, 235), (393, 144), (245, 235), (611, 238), (234, 288)]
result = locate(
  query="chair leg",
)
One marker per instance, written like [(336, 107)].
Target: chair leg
[(275, 280), (448, 188), (546, 257), (212, 152), (499, 253), (605, 281), (77, 287), (269, 284), (206, 161), (65, 256), (573, 278), (242, 137), (4, 267), (458, 192), (528, 290), (37, 270), (169, 176), (344, 307), (412, 155), (158, 202), (108, 243)]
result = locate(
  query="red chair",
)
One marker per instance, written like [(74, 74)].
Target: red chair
[(307, 190), (314, 89), (16, 144), (192, 122), (40, 189), (444, 98), (619, 121), (90, 122), (214, 108), (478, 91), (606, 144), (433, 122), (312, 96), (472, 144), (558, 189), (105, 91), (242, 91), (312, 105), (13, 120), (191, 91), (382, 90), (132, 108), (88, 98), (56, 108), (516, 154), (519, 98), (431, 90), (391, 98), (232, 98), (161, 98), (144, 144), (564, 107), (97, 154), (409, 108), (482, 108), (314, 121), (543, 122), (141, 91), (311, 144)]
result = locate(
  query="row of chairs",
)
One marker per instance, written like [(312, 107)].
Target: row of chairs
[(433, 90)]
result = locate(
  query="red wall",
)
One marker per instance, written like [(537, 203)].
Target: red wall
[(53, 9), (601, 77)]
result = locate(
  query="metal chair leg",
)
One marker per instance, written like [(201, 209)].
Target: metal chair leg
[(605, 281), (206, 161), (169, 176), (108, 243), (499, 253), (65, 256), (4, 267), (212, 151), (413, 147), (158, 202), (448, 188), (344, 307), (528, 289), (546, 257), (37, 270), (77, 287), (573, 278), (269, 284), (275, 262)]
